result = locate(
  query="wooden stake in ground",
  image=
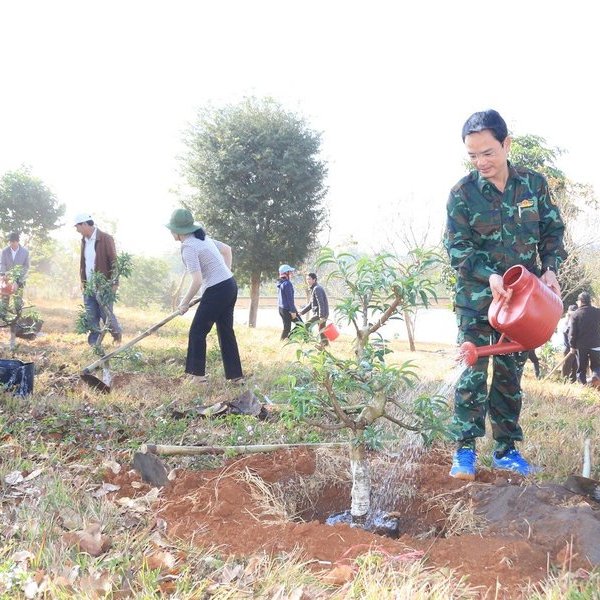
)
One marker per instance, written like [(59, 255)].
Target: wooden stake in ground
[(167, 450)]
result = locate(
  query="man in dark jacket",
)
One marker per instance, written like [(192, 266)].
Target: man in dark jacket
[(318, 304), (98, 254), (569, 368), (584, 338)]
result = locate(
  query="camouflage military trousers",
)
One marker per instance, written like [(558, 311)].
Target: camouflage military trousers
[(473, 401)]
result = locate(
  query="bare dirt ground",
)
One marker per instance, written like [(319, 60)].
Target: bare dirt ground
[(500, 531)]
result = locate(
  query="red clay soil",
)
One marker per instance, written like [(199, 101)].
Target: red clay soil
[(524, 527)]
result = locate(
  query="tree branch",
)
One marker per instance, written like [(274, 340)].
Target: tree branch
[(400, 423), (336, 406), (385, 316), (327, 427)]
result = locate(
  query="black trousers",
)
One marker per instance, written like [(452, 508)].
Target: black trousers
[(322, 325), (532, 356), (587, 357), (216, 307), (286, 317), (569, 368)]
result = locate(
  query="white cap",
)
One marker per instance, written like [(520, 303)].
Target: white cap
[(82, 218)]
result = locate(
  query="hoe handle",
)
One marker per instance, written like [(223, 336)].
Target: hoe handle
[(136, 339), (556, 366)]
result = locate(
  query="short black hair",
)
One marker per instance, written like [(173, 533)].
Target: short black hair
[(313, 276), (487, 119), (199, 233), (13, 237), (584, 298)]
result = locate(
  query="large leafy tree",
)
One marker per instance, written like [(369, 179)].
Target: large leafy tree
[(531, 151), (258, 184), (27, 205)]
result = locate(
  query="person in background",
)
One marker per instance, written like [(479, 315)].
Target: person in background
[(584, 338), (208, 262), (285, 300), (532, 356), (498, 216), (15, 255), (569, 367), (318, 304), (98, 254)]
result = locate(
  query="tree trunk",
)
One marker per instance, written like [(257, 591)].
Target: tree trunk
[(362, 338), (361, 479), (254, 297), (410, 329)]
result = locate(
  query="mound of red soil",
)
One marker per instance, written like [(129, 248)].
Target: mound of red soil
[(521, 527)]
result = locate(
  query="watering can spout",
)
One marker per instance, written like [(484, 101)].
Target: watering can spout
[(469, 353)]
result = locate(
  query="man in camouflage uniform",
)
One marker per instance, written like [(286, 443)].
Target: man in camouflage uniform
[(497, 216)]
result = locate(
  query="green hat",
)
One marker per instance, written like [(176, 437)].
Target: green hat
[(182, 221)]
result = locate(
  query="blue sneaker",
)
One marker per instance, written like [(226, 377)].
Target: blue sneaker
[(513, 461), (463, 464)]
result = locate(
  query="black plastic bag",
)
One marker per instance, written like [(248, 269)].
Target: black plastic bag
[(16, 376)]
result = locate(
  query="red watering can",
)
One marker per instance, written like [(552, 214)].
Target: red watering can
[(331, 332), (6, 287), (528, 320)]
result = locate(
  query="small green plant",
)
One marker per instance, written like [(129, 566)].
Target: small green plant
[(23, 321), (355, 393)]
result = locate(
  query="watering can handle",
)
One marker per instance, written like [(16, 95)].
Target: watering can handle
[(493, 318)]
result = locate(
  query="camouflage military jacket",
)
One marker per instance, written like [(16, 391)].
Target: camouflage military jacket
[(488, 231)]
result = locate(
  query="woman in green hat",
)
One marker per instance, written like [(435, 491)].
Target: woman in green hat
[(209, 264)]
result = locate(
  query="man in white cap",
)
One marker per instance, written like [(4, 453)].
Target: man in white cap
[(285, 300), (98, 253)]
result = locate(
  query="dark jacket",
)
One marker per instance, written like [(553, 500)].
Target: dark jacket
[(21, 260), (584, 330), (106, 256), (318, 303), (285, 295)]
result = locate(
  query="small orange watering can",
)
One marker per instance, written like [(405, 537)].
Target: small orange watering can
[(528, 319), (331, 332)]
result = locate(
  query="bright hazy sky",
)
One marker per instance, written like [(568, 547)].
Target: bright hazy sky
[(95, 96)]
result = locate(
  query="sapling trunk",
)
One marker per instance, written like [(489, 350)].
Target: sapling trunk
[(361, 478)]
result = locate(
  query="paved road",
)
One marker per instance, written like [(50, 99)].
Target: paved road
[(435, 325)]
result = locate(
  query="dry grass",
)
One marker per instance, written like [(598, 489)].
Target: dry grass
[(272, 508), (69, 431), (460, 515)]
